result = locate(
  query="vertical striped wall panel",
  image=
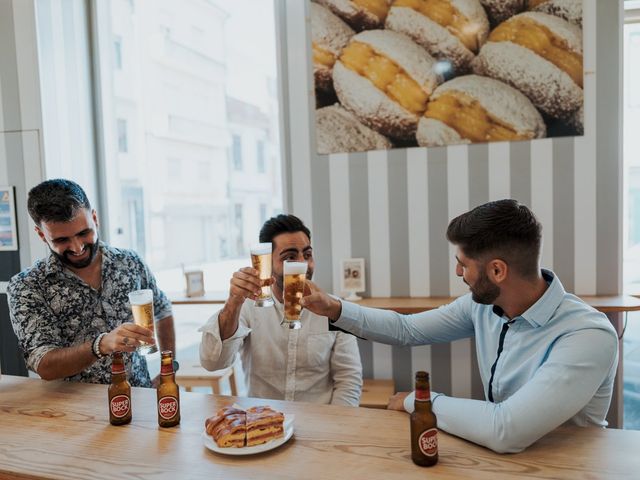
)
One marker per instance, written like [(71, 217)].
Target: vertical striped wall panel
[(392, 208)]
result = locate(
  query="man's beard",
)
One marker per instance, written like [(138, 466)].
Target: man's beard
[(67, 256), (484, 291)]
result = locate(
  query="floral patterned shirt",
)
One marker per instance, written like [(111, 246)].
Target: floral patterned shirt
[(52, 308)]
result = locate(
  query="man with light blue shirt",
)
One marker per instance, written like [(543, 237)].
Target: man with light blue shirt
[(545, 357)]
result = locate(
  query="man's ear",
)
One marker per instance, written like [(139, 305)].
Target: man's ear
[(497, 270), (40, 233), (94, 215)]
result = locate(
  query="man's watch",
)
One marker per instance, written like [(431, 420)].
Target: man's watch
[(176, 366)]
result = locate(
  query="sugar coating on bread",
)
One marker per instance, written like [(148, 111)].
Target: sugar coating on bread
[(434, 133), (339, 130), (371, 105), (328, 31), (500, 10), (569, 32), (399, 48), (570, 10), (351, 13), (549, 88), (500, 100), (436, 39)]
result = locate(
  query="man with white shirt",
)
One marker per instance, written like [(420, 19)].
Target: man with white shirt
[(545, 357), (311, 364)]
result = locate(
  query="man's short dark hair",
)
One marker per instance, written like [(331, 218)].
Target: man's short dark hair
[(503, 229), (282, 224), (56, 200)]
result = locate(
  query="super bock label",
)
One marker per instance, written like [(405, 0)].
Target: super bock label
[(168, 407), (428, 442), (120, 406)]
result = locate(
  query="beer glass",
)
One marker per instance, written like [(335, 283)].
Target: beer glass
[(261, 261), (142, 309), (295, 275)]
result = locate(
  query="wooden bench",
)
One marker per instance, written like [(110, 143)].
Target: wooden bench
[(376, 393)]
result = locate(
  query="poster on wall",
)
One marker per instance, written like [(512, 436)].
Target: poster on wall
[(404, 73), (8, 227)]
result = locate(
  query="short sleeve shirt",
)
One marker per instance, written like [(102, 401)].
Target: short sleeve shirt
[(52, 308)]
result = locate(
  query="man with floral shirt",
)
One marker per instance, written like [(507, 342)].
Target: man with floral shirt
[(71, 311)]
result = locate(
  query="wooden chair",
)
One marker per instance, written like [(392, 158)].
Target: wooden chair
[(376, 393), (190, 376)]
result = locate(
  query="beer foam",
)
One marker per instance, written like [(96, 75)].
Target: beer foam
[(261, 249), (141, 297), (295, 268)]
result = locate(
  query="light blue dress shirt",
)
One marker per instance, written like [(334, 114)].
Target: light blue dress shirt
[(557, 364)]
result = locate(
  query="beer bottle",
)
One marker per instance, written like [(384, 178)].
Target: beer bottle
[(119, 392), (424, 426), (168, 393)]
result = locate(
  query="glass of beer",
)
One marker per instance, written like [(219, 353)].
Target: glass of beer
[(295, 275), (142, 309), (261, 261)]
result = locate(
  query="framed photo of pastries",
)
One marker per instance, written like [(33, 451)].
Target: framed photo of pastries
[(403, 73), (195, 283), (353, 277)]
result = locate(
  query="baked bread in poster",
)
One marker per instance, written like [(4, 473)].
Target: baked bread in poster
[(263, 425), (228, 427), (329, 35), (570, 10), (499, 10), (474, 109), (385, 79), (450, 30), (540, 55), (359, 14), (338, 130)]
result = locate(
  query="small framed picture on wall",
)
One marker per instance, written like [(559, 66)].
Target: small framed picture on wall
[(8, 226), (195, 283), (353, 278)]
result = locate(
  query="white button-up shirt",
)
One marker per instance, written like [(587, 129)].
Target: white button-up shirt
[(311, 364)]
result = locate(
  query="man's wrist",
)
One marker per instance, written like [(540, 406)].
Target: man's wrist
[(335, 310), (95, 347)]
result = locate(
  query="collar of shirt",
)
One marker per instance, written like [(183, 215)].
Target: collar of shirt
[(541, 312)]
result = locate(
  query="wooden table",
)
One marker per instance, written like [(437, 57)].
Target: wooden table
[(61, 430), (603, 303)]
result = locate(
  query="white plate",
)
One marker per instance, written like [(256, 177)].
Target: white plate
[(210, 443)]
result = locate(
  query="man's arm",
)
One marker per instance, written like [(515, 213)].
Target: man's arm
[(564, 384), (346, 371), (445, 324), (65, 362), (244, 284)]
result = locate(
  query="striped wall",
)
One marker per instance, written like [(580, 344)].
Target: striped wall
[(392, 208)]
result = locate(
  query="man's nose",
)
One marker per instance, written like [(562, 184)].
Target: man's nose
[(459, 270), (77, 245)]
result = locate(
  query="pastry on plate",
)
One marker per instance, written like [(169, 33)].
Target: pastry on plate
[(540, 55), (338, 131), (385, 78), (329, 35), (360, 14), (450, 30), (472, 109)]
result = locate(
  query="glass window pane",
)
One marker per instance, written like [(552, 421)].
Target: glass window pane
[(196, 115)]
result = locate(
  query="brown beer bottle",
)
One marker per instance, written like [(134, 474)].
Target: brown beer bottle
[(119, 392), (424, 426), (168, 393)]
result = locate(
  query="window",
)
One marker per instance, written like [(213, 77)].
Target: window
[(188, 202), (123, 142), (260, 154), (263, 213), (631, 224), (236, 152), (117, 53)]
